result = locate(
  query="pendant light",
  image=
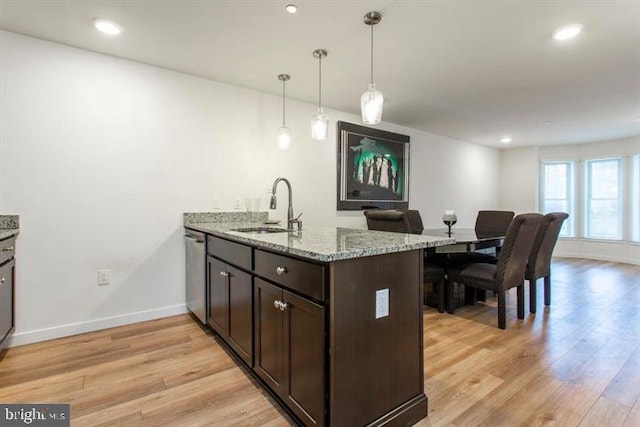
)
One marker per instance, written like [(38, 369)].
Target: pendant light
[(371, 100), (320, 121), (284, 134)]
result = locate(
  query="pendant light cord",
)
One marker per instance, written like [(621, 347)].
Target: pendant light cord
[(320, 82), (371, 53), (283, 110)]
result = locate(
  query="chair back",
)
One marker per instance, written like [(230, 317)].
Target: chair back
[(493, 223), (516, 249), (405, 221), (387, 220), (415, 221), (540, 259)]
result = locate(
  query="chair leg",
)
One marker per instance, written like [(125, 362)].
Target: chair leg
[(520, 292), (441, 298), (469, 295), (449, 299), (502, 310), (547, 290), (532, 295)]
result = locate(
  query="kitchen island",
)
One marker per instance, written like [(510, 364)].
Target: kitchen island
[(328, 319)]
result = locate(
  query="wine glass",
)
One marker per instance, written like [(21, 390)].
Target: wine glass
[(449, 218)]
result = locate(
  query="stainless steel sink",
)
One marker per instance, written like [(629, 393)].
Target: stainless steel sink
[(261, 230)]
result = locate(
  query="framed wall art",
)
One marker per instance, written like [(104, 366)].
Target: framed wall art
[(373, 168)]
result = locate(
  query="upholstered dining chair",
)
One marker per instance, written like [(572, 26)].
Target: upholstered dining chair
[(488, 223), (492, 223), (387, 220), (400, 221), (508, 272), (408, 221), (539, 265)]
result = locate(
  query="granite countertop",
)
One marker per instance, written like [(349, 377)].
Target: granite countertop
[(319, 243), (9, 226)]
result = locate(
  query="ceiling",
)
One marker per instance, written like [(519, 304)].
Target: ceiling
[(470, 70)]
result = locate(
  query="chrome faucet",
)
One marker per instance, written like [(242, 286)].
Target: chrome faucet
[(274, 201)]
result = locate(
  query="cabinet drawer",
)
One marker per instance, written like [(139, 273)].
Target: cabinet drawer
[(7, 249), (301, 276), (234, 253)]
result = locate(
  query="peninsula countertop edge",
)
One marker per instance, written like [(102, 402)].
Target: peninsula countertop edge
[(322, 243)]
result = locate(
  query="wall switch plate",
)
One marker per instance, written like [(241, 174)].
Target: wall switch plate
[(237, 204), (382, 303), (216, 203), (104, 277)]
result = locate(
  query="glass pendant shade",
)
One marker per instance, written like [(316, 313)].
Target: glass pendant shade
[(320, 126), (284, 138), (371, 103)]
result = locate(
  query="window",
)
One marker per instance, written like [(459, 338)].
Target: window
[(635, 198), (557, 192), (603, 199)]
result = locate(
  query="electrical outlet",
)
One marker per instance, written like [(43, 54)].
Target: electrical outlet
[(104, 277), (382, 303), (237, 204)]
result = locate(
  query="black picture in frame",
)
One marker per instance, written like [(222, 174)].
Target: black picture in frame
[(373, 168)]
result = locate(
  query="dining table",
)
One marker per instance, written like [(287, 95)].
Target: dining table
[(467, 239)]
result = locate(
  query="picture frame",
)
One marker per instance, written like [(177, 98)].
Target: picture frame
[(373, 168)]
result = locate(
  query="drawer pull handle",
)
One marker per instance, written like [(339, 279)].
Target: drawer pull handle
[(281, 270), (7, 249), (279, 305), (224, 273)]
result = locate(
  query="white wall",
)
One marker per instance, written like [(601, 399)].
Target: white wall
[(519, 185), (101, 156), (520, 191)]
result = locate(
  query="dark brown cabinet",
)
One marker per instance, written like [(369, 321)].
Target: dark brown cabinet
[(218, 295), (7, 291), (231, 296), (290, 349)]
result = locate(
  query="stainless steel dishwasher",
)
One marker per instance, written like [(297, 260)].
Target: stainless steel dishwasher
[(196, 274)]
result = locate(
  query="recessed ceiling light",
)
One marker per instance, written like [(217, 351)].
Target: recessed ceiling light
[(291, 8), (567, 32), (547, 122), (505, 140), (107, 27)]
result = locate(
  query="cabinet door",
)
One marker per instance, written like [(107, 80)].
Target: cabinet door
[(6, 300), (240, 313), (304, 358), (268, 335), (218, 277)]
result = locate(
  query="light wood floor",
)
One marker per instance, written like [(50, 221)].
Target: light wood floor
[(576, 363)]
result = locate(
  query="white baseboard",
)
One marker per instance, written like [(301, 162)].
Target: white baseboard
[(597, 257), (28, 337)]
